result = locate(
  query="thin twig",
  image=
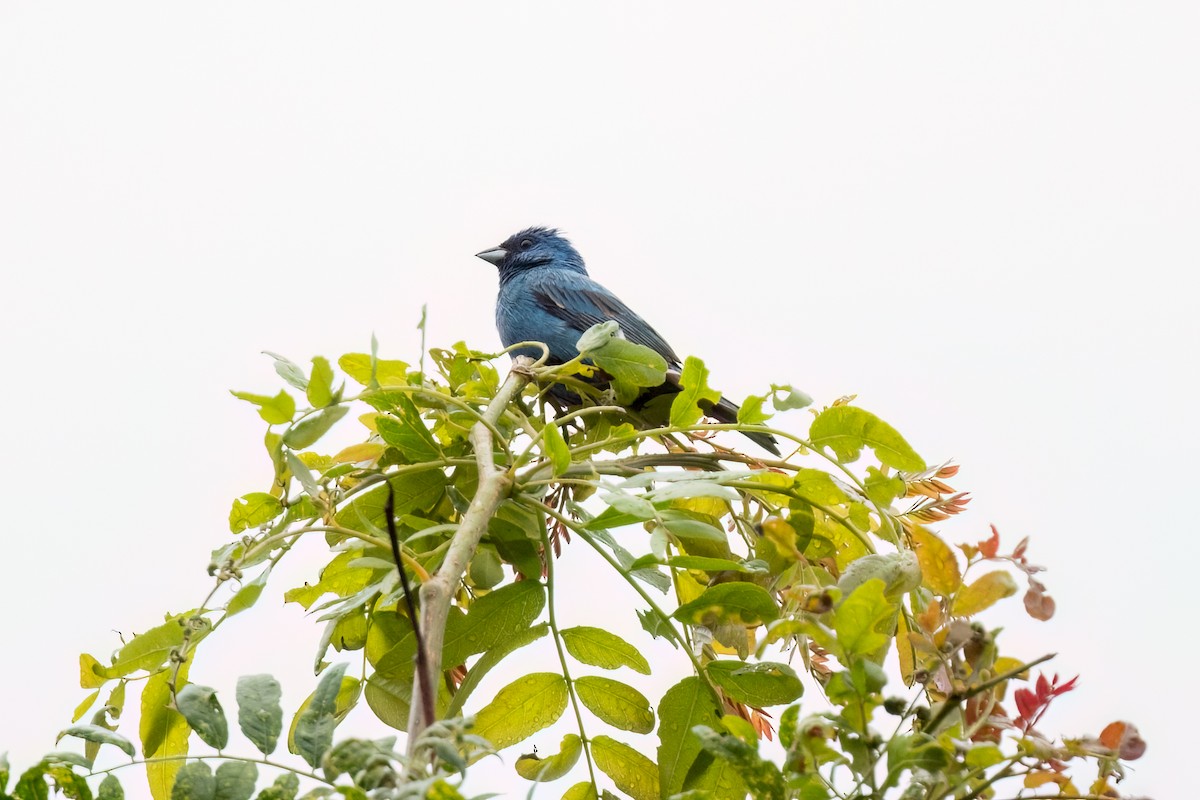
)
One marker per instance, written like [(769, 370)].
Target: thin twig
[(423, 674)]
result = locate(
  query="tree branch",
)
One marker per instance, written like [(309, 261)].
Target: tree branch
[(438, 592)]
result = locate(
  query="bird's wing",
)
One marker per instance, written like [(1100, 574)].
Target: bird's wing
[(581, 303)]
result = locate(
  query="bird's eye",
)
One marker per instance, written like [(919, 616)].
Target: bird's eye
[(526, 244)]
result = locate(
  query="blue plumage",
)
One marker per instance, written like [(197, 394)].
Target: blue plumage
[(546, 295)]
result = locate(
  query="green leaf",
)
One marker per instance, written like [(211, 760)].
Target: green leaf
[(760, 685), (793, 399), (149, 650), (685, 705), (486, 570), (706, 564), (202, 710), (413, 490), (636, 506), (320, 384), (354, 757), (337, 577), (289, 371), (632, 772), (493, 618), (235, 780), (259, 714), (751, 412), (860, 617), (522, 708), (741, 603), (553, 767), (984, 755), (688, 405), (408, 435), (984, 593), (656, 626), (847, 429), (629, 363), (285, 787), (899, 572), (315, 723), (554, 446), (598, 335), (818, 487), (194, 782), (248, 595), (762, 779), (100, 735), (489, 660), (387, 373), (616, 703), (32, 784), (307, 431), (163, 731), (252, 510), (110, 789), (939, 567), (689, 528), (883, 489), (599, 648), (919, 751), (277, 410), (516, 534), (389, 696), (584, 790), (612, 517), (301, 473)]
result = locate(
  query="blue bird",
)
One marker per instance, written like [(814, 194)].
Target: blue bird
[(547, 296)]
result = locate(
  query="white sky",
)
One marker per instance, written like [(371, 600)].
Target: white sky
[(982, 220)]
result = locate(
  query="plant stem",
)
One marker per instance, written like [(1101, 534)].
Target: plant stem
[(548, 554), (955, 698), (438, 592), (683, 643), (222, 756)]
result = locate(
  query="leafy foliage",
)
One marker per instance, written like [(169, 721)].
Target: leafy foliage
[(776, 577)]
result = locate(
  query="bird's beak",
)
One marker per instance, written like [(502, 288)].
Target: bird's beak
[(493, 256)]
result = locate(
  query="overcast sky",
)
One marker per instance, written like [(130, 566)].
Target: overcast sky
[(980, 220)]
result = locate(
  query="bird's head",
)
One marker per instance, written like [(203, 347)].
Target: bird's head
[(533, 248)]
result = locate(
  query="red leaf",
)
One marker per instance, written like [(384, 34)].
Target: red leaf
[(1019, 552), (1110, 737), (1027, 703), (1123, 738), (990, 546), (1038, 605), (1066, 687)]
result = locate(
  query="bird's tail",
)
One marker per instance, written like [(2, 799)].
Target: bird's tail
[(727, 411)]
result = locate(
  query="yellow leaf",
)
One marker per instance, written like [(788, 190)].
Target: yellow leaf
[(367, 451), (777, 531), (938, 564), (83, 707), (1036, 779), (709, 506), (983, 593), (90, 672), (552, 767), (522, 708), (163, 731), (904, 651)]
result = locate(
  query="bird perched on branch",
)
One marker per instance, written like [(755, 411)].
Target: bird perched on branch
[(547, 296)]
